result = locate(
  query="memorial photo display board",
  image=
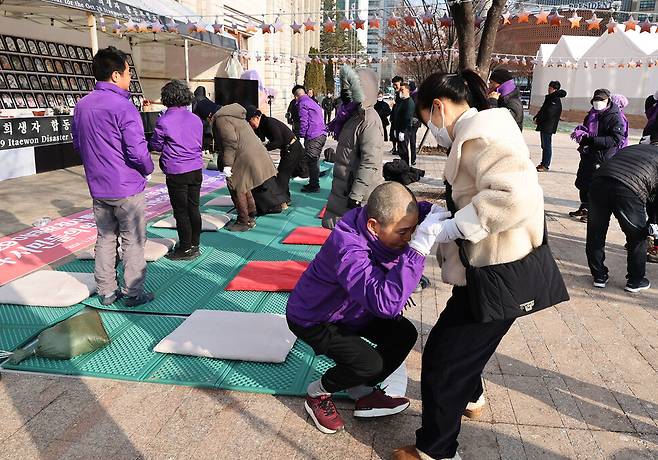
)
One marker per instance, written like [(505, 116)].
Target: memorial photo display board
[(35, 74)]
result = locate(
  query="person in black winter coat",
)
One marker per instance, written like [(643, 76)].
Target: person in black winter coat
[(505, 94), (384, 111), (292, 116), (279, 136), (403, 116), (621, 187), (199, 100), (599, 138), (396, 82), (547, 120), (328, 105)]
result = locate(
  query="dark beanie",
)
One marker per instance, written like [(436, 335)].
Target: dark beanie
[(252, 111), (501, 76), (555, 85), (205, 108)]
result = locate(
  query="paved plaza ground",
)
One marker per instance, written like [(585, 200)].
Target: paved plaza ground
[(576, 381)]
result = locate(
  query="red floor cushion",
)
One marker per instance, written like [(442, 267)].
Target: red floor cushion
[(268, 276), (321, 215), (308, 235)]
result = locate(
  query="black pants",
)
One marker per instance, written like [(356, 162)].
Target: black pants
[(268, 197), (412, 143), (291, 156), (394, 139), (385, 132), (184, 190), (357, 362), (327, 116), (313, 150), (583, 194), (608, 197), (404, 148), (455, 354)]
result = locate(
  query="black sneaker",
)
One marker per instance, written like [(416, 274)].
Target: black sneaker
[(238, 226), (110, 299), (582, 212), (196, 250), (310, 189), (642, 285), (178, 254), (601, 282), (144, 297)]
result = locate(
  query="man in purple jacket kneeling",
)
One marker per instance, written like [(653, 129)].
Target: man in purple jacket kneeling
[(356, 288), (109, 135)]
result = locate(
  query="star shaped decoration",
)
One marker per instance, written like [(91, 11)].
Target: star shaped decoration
[(156, 27), (217, 27), (575, 20), (143, 27), (250, 27), (479, 20), (410, 21), (329, 26), (523, 17), (278, 26), (200, 27), (446, 21), (296, 28), (266, 28), (505, 60), (393, 22), (427, 18), (505, 17), (555, 19), (360, 24), (345, 24), (646, 26), (191, 26), (541, 17), (131, 26), (310, 25), (612, 26), (101, 24), (630, 24), (495, 59), (374, 23), (594, 23), (117, 28)]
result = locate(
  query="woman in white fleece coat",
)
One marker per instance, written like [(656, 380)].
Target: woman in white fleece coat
[(498, 210)]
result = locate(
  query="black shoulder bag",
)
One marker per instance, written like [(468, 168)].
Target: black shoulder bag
[(513, 289)]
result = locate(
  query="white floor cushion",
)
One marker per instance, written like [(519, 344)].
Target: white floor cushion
[(224, 200), (261, 337), (48, 288), (210, 222), (155, 249)]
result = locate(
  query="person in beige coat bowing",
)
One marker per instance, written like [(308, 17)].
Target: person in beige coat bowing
[(498, 214)]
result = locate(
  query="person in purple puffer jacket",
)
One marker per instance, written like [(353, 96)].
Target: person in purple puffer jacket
[(357, 286), (312, 134), (108, 133), (178, 134)]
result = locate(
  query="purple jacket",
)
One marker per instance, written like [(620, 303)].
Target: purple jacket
[(109, 135), (311, 118), (355, 278), (178, 134)]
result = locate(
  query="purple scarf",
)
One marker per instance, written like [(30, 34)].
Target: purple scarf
[(345, 112), (385, 256), (506, 88), (592, 122)]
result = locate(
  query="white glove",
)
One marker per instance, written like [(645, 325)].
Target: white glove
[(428, 230), (655, 95), (301, 141), (148, 178), (449, 231), (439, 209), (401, 137), (653, 230), (227, 171)]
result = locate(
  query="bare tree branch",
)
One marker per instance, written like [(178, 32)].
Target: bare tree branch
[(488, 38)]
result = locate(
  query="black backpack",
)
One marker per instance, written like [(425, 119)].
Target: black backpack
[(399, 171)]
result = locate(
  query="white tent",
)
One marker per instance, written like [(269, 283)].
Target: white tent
[(583, 64)]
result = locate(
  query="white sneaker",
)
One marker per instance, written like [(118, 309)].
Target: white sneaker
[(653, 230), (474, 409)]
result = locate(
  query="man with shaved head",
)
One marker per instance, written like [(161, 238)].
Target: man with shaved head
[(357, 287)]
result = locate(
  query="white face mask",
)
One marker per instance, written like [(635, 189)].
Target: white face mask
[(440, 134), (599, 105)]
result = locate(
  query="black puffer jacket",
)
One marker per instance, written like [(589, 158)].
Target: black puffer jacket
[(548, 116), (596, 150), (651, 128), (636, 167), (277, 134), (511, 102)]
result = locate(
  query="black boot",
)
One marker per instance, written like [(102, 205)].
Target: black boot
[(187, 254)]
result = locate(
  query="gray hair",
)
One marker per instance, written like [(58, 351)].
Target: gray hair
[(388, 200), (176, 93)]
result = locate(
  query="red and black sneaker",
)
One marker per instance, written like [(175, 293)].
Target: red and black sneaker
[(324, 413), (379, 404)]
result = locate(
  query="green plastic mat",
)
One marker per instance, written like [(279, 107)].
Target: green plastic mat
[(19, 323), (129, 356)]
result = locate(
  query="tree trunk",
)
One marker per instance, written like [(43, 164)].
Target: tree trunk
[(488, 38), (464, 20)]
